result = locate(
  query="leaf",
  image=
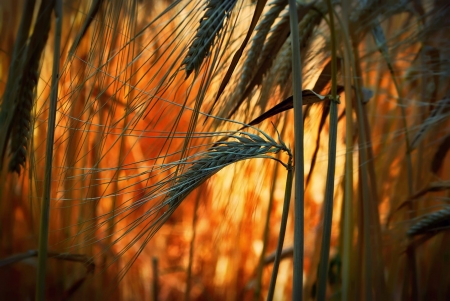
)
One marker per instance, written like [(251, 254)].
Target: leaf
[(309, 97)]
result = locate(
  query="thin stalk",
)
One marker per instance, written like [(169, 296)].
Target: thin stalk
[(364, 187), (259, 272), (297, 286), (45, 211), (187, 294), (155, 278), (329, 187), (284, 218), (380, 39), (348, 190)]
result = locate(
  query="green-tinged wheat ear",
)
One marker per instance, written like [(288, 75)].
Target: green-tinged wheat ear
[(219, 156), (24, 97), (262, 30), (22, 120), (432, 222), (209, 28)]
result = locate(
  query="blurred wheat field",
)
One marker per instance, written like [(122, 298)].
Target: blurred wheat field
[(173, 141)]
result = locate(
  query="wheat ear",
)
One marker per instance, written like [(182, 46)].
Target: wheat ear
[(219, 156), (253, 55), (210, 27), (204, 165), (432, 222), (306, 28), (22, 120), (24, 97)]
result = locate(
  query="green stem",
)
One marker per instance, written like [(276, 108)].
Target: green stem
[(284, 218), (187, 294), (348, 194), (259, 272), (329, 188), (45, 211), (297, 286)]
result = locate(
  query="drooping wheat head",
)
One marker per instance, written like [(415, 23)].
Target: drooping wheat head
[(219, 156), (197, 169)]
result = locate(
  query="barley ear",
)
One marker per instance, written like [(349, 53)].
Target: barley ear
[(306, 28), (24, 96), (22, 122), (254, 53), (432, 222), (217, 157), (209, 29)]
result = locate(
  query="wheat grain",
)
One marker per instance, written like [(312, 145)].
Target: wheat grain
[(210, 27), (432, 222)]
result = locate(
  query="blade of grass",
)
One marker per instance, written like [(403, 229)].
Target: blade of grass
[(45, 211), (299, 226)]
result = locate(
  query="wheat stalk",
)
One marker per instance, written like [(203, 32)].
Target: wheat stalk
[(431, 222), (210, 26)]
